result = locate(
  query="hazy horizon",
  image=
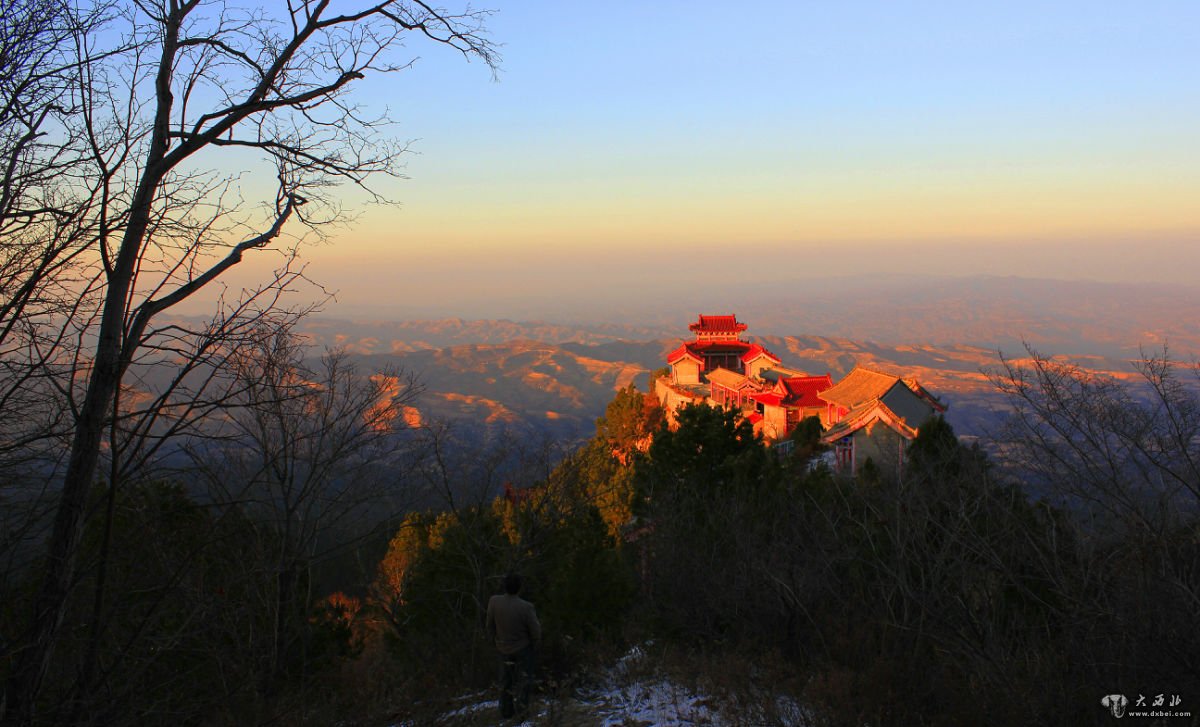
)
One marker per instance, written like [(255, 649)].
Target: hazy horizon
[(632, 154), (557, 287)]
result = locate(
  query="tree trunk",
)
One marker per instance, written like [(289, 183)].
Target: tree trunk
[(108, 368)]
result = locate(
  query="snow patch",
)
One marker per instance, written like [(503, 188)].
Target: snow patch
[(621, 698), (656, 702), (632, 692)]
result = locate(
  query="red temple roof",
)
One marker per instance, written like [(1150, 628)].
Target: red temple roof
[(797, 391), (728, 346), (697, 349), (768, 398), (717, 324), (684, 351), (755, 350), (804, 390)]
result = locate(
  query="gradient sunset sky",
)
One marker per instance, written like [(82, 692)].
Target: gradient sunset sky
[(629, 143)]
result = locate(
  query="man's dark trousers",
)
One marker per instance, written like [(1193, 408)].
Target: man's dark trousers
[(516, 681)]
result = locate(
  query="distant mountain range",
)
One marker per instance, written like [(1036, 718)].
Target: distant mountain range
[(525, 387), (1057, 316), (553, 378), (1067, 317), (378, 336), (558, 390)]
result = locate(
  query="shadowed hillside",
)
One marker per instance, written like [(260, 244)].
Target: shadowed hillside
[(521, 385)]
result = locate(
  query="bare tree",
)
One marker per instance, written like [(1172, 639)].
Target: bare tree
[(43, 239), (312, 455), (40, 238), (1124, 453), (1121, 457), (162, 97)]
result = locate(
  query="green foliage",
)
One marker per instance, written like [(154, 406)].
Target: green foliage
[(171, 615), (563, 535), (162, 573), (431, 591), (935, 442), (807, 434), (937, 455), (447, 581), (869, 473), (941, 597), (586, 583), (707, 489), (629, 419), (655, 375), (600, 471), (711, 450), (406, 547), (449, 565)]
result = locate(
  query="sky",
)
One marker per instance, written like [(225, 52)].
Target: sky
[(625, 147)]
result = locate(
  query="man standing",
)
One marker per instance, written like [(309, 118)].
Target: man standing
[(514, 628)]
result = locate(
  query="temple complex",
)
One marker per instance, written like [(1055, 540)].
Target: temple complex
[(868, 415)]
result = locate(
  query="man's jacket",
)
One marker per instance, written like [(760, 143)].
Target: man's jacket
[(512, 623)]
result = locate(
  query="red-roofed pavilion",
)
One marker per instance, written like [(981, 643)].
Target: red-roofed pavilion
[(717, 328)]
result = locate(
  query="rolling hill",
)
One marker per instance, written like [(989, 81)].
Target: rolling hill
[(553, 378), (558, 390)]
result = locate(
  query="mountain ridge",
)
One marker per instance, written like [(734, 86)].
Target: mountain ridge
[(558, 390)]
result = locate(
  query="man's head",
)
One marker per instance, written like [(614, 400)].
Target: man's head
[(512, 583)]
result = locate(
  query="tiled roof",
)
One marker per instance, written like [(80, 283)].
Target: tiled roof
[(777, 372), (717, 324), (798, 391), (864, 414), (697, 349), (682, 352), (755, 350), (729, 379), (769, 398), (860, 385), (921, 391), (804, 390)]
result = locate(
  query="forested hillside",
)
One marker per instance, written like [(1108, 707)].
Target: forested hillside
[(952, 596)]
